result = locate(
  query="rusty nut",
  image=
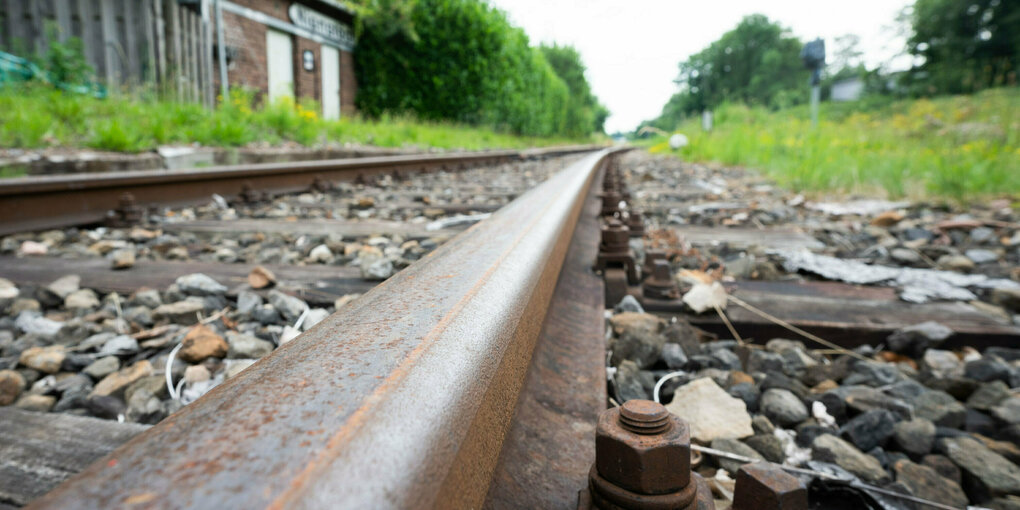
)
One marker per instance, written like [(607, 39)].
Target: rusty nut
[(765, 486), (643, 448)]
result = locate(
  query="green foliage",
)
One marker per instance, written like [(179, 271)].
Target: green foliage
[(959, 147), (584, 112), (965, 46), (64, 61), (458, 60), (756, 63), (35, 115)]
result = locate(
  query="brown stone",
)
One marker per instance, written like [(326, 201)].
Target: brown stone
[(38, 403), (261, 277), (118, 381), (43, 359), (11, 385), (824, 386), (887, 219), (201, 343), (738, 377), (925, 482)]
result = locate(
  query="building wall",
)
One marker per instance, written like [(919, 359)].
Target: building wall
[(348, 83), (248, 65)]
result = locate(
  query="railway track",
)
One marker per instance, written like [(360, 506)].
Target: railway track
[(473, 378), (38, 203)]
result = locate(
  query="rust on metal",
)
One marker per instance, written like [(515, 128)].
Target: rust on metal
[(548, 450), (636, 223), (400, 399), (650, 257), (127, 213), (642, 460), (765, 486), (611, 203), (616, 261), (660, 284), (41, 202)]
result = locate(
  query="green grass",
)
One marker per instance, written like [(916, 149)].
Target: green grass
[(37, 116), (960, 148)]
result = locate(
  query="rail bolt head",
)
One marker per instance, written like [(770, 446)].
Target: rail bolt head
[(765, 486), (643, 448)]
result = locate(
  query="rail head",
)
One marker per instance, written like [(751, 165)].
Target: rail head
[(401, 399)]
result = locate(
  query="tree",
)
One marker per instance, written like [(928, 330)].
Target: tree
[(758, 62), (964, 46), (584, 112)]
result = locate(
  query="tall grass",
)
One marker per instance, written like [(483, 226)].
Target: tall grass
[(961, 147), (37, 116)]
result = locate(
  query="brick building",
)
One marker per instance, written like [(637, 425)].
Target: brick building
[(299, 48)]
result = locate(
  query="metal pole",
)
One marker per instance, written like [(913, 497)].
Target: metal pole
[(816, 93), (222, 52)]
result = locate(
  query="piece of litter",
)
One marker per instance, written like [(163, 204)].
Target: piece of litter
[(703, 297), (456, 221)]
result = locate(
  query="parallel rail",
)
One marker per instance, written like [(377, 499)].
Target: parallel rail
[(404, 398), (44, 202)]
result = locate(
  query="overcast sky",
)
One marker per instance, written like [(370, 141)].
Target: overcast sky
[(632, 47)]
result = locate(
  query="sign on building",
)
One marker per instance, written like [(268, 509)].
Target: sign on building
[(321, 25)]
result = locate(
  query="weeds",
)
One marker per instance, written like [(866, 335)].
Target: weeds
[(961, 147), (37, 116)]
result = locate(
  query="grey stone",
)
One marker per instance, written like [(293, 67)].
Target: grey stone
[(942, 363), (988, 395), (986, 474), (982, 234), (673, 355), (941, 408), (181, 312), (747, 392), (102, 367), (981, 256), (905, 256), (1008, 410), (906, 389), (829, 448), (33, 323), (633, 383), (289, 307), (65, 285), (247, 302), (198, 284), (148, 298), (736, 447), (869, 430), (315, 316), (915, 437), (925, 482), (119, 345), (628, 304), (914, 340), (987, 369), (81, 300), (637, 337), (764, 361), (376, 269), (783, 408), (871, 373), (247, 346), (266, 315), (769, 446)]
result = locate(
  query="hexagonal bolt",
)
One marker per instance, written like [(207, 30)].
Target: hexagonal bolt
[(765, 486), (650, 257), (615, 237), (636, 223), (641, 448), (611, 203), (660, 284)]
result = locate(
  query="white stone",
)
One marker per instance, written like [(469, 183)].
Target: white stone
[(711, 412)]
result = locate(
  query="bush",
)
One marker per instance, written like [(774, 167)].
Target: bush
[(458, 60)]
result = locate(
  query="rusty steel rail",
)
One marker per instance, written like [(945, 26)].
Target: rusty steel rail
[(43, 202), (402, 399)]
